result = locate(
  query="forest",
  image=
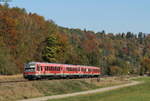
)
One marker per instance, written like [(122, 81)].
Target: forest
[(26, 37)]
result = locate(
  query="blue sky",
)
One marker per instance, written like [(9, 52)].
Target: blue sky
[(97, 15)]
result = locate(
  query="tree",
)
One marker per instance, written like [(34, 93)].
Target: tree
[(7, 67), (56, 47), (145, 66)]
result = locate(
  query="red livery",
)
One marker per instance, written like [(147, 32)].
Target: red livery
[(38, 70)]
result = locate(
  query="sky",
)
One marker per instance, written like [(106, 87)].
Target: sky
[(110, 15)]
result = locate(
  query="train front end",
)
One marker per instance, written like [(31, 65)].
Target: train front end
[(30, 70)]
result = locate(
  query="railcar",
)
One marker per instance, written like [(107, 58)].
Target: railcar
[(40, 70)]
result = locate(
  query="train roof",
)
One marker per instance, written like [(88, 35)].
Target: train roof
[(61, 64)]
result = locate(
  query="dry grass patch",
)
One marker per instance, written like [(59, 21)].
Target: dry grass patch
[(11, 77), (13, 91)]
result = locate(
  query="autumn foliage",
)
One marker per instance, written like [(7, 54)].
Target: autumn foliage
[(28, 37)]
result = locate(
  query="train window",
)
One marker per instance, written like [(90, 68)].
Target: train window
[(70, 69), (55, 68), (83, 69), (67, 68), (52, 68), (75, 69), (58, 68), (29, 69), (38, 68), (46, 68)]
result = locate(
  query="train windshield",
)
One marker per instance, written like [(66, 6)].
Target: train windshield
[(30, 67)]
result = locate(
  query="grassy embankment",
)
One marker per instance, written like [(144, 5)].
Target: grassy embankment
[(134, 93), (24, 90)]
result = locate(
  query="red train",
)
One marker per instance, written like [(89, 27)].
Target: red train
[(39, 70)]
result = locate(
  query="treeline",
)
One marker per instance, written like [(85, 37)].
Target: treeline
[(28, 37)]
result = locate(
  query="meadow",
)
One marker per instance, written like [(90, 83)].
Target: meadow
[(134, 93)]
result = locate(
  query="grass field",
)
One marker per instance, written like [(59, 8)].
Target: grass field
[(24, 90), (135, 93)]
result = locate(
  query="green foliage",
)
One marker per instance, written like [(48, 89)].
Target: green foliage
[(56, 48)]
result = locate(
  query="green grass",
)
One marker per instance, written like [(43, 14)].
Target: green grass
[(134, 93)]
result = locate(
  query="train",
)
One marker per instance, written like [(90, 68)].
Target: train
[(43, 70)]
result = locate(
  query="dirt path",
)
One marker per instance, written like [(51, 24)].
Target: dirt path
[(83, 92)]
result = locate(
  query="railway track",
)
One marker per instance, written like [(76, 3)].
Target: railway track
[(24, 80)]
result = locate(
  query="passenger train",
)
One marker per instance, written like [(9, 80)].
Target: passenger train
[(42, 70)]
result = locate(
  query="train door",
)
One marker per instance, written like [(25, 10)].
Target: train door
[(39, 69), (63, 71), (44, 70)]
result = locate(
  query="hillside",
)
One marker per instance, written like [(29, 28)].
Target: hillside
[(28, 37)]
